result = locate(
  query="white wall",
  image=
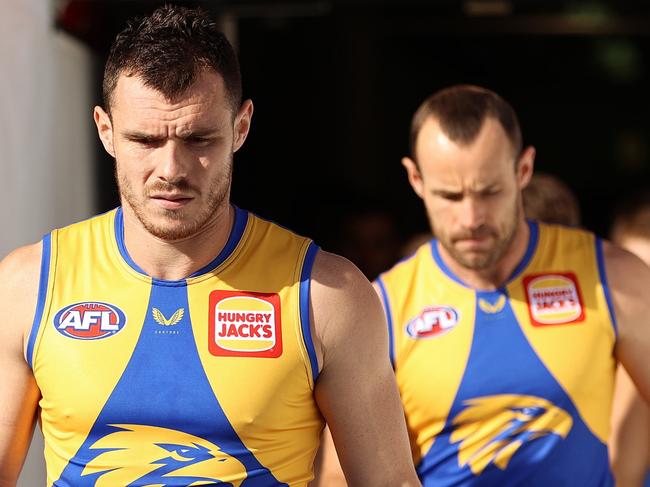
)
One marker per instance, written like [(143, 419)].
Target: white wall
[(46, 139)]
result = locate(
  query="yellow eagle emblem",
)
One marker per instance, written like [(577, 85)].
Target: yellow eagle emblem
[(161, 320), (153, 456), (490, 308), (491, 429)]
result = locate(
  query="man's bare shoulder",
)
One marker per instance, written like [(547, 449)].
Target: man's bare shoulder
[(338, 285), (625, 271), (345, 306), (628, 279), (19, 280)]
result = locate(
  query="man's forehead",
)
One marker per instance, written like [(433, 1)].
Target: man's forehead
[(433, 142), (138, 106), (208, 88)]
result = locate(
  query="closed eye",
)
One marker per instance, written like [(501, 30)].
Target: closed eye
[(449, 196), (145, 140), (199, 141)]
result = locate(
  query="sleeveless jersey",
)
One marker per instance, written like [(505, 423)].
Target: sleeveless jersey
[(203, 381), (507, 387)]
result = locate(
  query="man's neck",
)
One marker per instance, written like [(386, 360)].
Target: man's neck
[(176, 260), (497, 275)]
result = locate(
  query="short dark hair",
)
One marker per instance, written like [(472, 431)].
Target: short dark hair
[(461, 111), (549, 199), (168, 49)]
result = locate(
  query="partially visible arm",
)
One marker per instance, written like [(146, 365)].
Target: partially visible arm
[(328, 468), (629, 283), (356, 390), (19, 395), (630, 439)]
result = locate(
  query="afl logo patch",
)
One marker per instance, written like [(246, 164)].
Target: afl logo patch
[(433, 321), (244, 324), (90, 320), (554, 299)]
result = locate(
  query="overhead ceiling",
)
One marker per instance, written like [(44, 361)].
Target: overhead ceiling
[(97, 21)]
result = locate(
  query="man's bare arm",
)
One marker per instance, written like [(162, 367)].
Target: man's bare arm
[(356, 389), (629, 444), (19, 395), (629, 283)]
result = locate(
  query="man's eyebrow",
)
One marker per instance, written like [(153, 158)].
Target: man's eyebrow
[(141, 136), (200, 132), (145, 137)]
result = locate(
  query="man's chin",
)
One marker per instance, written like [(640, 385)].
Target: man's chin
[(170, 228), (476, 261)]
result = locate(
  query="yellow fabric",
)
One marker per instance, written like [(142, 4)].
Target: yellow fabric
[(437, 335), (267, 399)]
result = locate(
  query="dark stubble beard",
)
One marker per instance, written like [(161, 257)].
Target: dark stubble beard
[(501, 245), (181, 223)]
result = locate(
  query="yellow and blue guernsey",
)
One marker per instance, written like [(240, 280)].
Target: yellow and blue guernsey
[(202, 381), (508, 387)]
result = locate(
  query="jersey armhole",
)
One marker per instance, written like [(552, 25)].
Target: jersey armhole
[(42, 297), (305, 322), (600, 257), (389, 319)]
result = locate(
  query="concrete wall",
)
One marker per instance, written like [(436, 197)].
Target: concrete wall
[(46, 140), (46, 130)]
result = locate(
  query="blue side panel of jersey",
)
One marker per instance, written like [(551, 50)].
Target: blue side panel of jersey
[(305, 285), (42, 296), (502, 362), (163, 379)]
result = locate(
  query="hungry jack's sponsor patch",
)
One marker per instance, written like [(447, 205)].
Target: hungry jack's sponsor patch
[(554, 299), (244, 324)]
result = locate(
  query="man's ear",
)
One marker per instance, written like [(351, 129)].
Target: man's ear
[(104, 129), (414, 175), (525, 166), (242, 124)]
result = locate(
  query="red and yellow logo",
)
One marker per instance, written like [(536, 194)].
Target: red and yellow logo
[(554, 299), (245, 324)]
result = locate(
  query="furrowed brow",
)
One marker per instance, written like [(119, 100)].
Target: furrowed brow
[(199, 133), (138, 136)]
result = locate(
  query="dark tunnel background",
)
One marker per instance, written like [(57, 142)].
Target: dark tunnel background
[(335, 84)]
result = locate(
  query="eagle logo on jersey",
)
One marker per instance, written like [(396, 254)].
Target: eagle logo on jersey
[(140, 455), (161, 320), (491, 429)]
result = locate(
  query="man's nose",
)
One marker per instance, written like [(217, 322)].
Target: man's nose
[(472, 213), (172, 165)]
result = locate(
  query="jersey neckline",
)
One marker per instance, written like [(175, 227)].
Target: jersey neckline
[(236, 233), (533, 238)]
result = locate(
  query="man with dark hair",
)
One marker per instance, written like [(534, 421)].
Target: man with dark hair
[(179, 340), (505, 333)]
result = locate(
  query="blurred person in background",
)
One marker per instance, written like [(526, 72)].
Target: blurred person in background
[(505, 333), (179, 340), (630, 439), (549, 199)]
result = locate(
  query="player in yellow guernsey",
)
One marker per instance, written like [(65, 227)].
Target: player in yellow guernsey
[(179, 340), (504, 333)]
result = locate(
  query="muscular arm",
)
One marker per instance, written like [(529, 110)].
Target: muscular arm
[(19, 274), (356, 390)]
